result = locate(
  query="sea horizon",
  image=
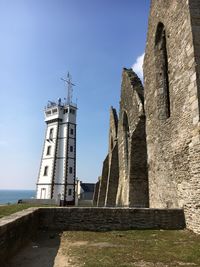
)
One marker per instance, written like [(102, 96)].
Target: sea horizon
[(17, 189), (11, 196)]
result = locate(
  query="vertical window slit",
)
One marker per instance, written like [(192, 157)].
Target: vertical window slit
[(126, 136), (162, 76)]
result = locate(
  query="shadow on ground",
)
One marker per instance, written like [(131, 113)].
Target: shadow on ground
[(40, 252)]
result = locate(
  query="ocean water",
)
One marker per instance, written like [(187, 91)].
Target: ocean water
[(12, 196)]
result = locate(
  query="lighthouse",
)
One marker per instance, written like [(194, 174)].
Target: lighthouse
[(57, 173)]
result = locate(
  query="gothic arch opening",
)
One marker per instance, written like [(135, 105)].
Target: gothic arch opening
[(162, 77), (138, 176), (126, 136)]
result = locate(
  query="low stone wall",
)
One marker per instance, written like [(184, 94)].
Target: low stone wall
[(19, 228), (34, 201), (98, 219), (16, 230)]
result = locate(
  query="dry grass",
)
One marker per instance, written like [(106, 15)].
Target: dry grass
[(132, 248), (10, 209)]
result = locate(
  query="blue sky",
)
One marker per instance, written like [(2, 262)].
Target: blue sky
[(41, 40)]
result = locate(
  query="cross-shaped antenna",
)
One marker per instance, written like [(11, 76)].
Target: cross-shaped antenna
[(69, 85)]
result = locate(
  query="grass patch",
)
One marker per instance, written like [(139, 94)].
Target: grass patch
[(12, 208), (132, 248)]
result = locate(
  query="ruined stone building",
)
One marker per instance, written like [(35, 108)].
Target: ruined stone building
[(124, 179), (154, 147)]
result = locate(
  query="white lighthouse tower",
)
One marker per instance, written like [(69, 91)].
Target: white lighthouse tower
[(58, 164)]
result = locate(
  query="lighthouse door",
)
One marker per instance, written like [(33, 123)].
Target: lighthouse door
[(43, 193)]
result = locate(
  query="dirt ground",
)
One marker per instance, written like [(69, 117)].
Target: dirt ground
[(44, 251)]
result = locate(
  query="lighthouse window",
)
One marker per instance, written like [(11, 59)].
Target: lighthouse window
[(51, 134), (71, 148), (48, 150), (46, 170), (72, 111), (54, 110), (70, 192), (70, 169), (72, 131), (65, 110)]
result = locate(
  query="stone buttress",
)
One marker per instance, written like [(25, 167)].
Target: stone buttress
[(113, 172), (103, 183), (133, 178)]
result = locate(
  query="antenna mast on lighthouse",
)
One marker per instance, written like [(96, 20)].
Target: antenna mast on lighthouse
[(69, 86), (57, 173)]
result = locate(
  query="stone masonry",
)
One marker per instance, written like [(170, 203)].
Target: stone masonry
[(133, 178), (17, 230), (113, 173), (108, 182), (127, 179), (158, 135), (96, 193), (103, 183), (171, 71)]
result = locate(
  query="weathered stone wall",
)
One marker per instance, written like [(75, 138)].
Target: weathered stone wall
[(133, 178), (103, 183), (15, 231), (18, 229), (171, 71), (138, 177), (113, 172), (96, 193), (192, 208), (113, 178), (97, 219)]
